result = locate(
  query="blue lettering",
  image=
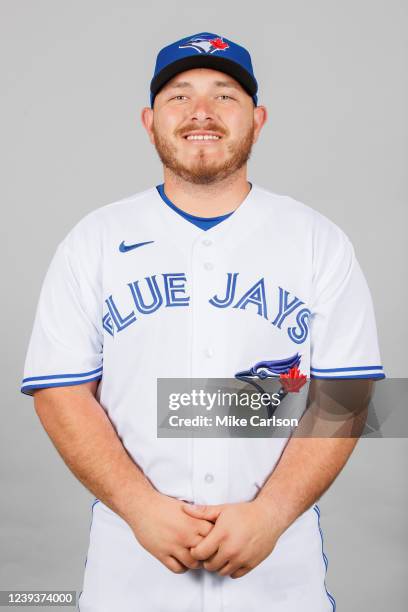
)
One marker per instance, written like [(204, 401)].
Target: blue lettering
[(174, 282), (230, 293), (138, 298), (285, 308), (120, 322), (302, 319), (255, 295)]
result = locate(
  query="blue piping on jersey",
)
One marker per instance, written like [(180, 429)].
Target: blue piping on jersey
[(379, 367), (343, 377), (86, 558), (27, 388), (62, 375), (326, 561)]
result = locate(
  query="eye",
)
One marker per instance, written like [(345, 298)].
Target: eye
[(225, 96), (179, 97)]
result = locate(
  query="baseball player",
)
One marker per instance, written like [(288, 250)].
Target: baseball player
[(203, 276)]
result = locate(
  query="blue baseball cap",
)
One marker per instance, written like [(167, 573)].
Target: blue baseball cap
[(204, 50)]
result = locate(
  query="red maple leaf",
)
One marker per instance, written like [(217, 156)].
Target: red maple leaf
[(293, 381), (219, 43)]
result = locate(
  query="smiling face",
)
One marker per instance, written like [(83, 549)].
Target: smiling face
[(203, 125)]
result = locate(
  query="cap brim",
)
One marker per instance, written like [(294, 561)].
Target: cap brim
[(205, 61)]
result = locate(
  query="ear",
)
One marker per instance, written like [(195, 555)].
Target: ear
[(260, 117), (147, 121)]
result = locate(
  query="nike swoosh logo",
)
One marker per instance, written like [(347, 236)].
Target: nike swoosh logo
[(124, 248)]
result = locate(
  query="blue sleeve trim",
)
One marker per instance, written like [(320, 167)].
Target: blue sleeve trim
[(62, 375), (27, 388), (377, 367), (377, 376)]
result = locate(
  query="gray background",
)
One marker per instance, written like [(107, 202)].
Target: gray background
[(74, 78)]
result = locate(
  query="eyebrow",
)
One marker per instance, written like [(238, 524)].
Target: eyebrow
[(227, 84), (185, 84)]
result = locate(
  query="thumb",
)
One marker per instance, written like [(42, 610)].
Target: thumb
[(209, 513)]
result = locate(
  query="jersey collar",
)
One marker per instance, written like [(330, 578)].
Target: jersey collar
[(243, 215)]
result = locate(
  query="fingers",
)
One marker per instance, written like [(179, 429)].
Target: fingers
[(208, 546), (227, 569), (194, 531), (204, 527), (223, 557), (209, 513), (184, 556), (216, 561), (241, 572), (175, 566), (194, 540), (202, 530), (231, 568), (225, 561)]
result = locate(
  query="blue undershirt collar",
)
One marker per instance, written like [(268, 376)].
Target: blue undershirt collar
[(204, 223)]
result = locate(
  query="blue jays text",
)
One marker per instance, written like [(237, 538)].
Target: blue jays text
[(290, 314)]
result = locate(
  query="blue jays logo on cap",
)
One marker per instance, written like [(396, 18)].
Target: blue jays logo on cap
[(204, 50), (205, 43)]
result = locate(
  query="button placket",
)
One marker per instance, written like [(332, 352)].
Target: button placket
[(202, 265), (210, 455)]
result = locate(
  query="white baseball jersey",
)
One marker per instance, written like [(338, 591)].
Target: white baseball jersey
[(273, 279)]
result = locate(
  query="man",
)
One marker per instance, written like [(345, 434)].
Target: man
[(206, 275)]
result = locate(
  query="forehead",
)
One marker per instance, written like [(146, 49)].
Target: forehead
[(196, 77)]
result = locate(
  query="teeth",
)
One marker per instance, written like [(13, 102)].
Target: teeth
[(202, 137)]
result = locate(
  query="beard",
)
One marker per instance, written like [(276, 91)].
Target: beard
[(204, 171)]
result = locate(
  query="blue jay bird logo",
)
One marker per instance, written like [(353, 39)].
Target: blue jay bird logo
[(271, 369), (286, 370), (206, 43)]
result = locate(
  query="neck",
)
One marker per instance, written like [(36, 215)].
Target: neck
[(207, 200)]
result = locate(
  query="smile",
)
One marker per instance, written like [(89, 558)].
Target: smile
[(202, 137)]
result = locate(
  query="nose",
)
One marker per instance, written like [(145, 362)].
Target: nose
[(202, 110)]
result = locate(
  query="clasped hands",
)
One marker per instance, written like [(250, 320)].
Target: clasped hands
[(231, 539), (242, 537)]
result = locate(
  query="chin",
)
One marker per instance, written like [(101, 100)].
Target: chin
[(205, 170)]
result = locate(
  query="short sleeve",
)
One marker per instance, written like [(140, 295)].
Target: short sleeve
[(344, 341), (66, 343)]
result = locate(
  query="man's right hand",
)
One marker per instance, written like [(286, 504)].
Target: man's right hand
[(168, 533)]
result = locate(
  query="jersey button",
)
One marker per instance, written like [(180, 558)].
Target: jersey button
[(209, 477), (208, 265), (207, 242), (209, 352)]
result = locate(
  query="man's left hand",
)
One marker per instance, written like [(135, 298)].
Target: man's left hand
[(244, 534)]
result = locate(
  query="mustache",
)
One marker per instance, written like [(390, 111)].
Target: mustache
[(210, 127)]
